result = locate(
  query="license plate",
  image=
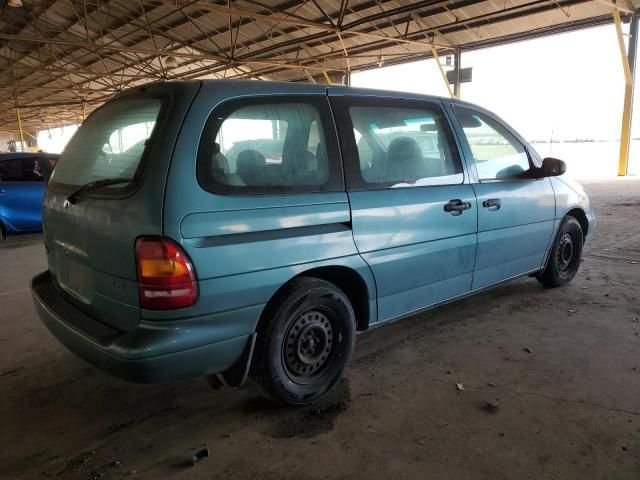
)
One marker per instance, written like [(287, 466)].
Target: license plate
[(74, 277)]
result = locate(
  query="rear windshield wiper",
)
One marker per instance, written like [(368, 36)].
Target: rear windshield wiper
[(75, 196)]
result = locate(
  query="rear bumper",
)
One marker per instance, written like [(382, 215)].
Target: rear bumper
[(153, 352)]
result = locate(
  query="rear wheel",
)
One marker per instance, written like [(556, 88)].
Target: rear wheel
[(305, 342), (565, 255)]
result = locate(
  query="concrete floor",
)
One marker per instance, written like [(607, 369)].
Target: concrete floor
[(570, 409)]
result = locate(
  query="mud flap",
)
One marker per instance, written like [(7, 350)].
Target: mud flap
[(238, 373)]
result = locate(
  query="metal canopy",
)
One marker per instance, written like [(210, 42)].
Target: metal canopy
[(59, 59)]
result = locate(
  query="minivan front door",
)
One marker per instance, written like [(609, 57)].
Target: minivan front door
[(515, 213), (414, 216)]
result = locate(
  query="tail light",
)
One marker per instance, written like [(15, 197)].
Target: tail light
[(166, 278)]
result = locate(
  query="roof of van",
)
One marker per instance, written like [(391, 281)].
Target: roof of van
[(262, 86), (235, 88)]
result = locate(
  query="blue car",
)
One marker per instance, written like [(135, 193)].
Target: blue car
[(234, 229), (23, 178)]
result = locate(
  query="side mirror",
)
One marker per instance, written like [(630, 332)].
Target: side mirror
[(552, 167)]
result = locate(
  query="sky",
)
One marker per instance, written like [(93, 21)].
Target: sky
[(567, 86)]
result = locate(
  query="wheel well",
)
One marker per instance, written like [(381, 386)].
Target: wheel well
[(346, 279), (353, 286), (579, 215)]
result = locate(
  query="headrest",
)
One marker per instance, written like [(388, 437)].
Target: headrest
[(403, 150), (250, 160)]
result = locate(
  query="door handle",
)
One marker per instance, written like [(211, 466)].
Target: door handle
[(492, 204), (456, 207)]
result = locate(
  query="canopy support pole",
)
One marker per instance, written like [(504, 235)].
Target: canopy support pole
[(628, 64)]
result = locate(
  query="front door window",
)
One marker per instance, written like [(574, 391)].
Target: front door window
[(497, 154)]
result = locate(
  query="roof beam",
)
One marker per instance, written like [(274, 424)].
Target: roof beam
[(615, 6), (151, 52)]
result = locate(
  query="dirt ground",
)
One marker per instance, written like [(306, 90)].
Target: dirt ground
[(563, 366)]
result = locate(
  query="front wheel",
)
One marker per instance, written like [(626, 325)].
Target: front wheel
[(565, 256), (305, 342)]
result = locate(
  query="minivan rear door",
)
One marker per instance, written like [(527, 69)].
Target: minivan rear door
[(414, 213), (90, 230)]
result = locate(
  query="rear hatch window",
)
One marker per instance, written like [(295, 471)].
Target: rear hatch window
[(109, 145)]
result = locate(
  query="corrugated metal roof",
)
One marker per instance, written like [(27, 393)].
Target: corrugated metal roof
[(58, 55)]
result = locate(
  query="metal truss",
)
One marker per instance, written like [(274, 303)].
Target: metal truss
[(60, 59)]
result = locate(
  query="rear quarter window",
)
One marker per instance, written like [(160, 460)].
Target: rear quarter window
[(270, 145), (110, 144), (11, 170), (22, 169)]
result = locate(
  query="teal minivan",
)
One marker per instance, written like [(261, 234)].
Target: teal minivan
[(235, 229)]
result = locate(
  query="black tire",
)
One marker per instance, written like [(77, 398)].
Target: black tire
[(305, 341), (565, 256)]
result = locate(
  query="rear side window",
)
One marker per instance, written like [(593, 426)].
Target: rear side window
[(497, 154), (27, 169), (110, 144), (398, 144), (266, 146), (11, 170)]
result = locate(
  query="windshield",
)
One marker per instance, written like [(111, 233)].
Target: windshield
[(109, 144)]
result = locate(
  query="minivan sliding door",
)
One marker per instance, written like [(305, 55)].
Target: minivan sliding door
[(414, 214)]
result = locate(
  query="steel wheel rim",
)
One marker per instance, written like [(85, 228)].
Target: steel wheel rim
[(565, 252), (309, 345)]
